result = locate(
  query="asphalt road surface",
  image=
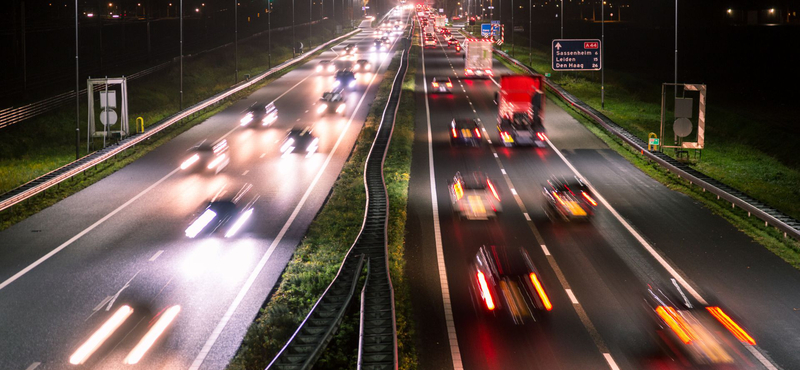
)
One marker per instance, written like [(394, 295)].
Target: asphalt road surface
[(597, 272), (116, 253)]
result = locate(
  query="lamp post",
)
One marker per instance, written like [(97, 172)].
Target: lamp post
[(530, 32), (180, 104), (269, 34), (602, 54), (676, 48), (512, 28), (294, 43), (77, 90), (235, 40), (562, 19), (310, 9)]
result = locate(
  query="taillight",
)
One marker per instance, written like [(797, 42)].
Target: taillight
[(489, 72), (540, 291), (449, 84), (454, 132), (478, 133), (675, 322), (731, 325), (487, 296), (491, 187), (436, 84), (559, 198), (541, 136), (589, 198)]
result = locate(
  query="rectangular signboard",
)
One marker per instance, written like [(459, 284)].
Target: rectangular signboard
[(486, 30), (576, 55)]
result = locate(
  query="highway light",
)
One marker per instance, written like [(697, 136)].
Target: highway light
[(198, 225), (155, 331), (99, 337), (238, 224)]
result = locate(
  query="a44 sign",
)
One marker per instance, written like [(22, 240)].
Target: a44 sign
[(576, 55)]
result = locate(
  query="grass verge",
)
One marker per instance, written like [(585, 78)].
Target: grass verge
[(46, 158), (786, 248), (316, 260)]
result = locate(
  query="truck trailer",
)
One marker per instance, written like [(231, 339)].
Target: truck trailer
[(477, 58), (520, 111)]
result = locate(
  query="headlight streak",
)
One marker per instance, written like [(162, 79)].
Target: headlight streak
[(198, 225), (246, 119), (155, 331), (216, 161), (99, 337), (287, 145), (322, 108), (190, 161), (239, 222)]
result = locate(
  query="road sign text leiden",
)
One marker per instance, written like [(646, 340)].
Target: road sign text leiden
[(576, 55)]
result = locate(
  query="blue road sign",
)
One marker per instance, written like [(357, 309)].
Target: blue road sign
[(486, 30), (495, 22), (576, 55)]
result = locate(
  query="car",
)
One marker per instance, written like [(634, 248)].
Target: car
[(385, 40), (325, 65), (441, 84), (350, 49), (207, 157), (476, 198), (299, 140), (505, 278), (430, 41), (379, 45), (452, 41), (332, 101), (362, 65), (265, 115), (222, 214), (700, 332), (465, 131), (345, 78), (568, 199)]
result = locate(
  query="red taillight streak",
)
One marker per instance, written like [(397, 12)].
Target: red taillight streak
[(540, 292), (454, 132), (732, 326), (589, 198), (675, 323), (478, 133), (541, 136), (449, 84), (435, 84), (487, 296), (491, 187), (559, 199)]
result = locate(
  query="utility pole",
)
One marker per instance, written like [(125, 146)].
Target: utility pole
[(310, 16), (77, 90), (602, 55), (235, 41), (294, 43), (512, 28), (676, 48), (530, 33), (562, 18), (180, 104), (269, 35)]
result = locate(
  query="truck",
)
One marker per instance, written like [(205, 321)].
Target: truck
[(520, 110), (441, 21), (477, 58)]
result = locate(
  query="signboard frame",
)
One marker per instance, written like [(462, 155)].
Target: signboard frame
[(587, 46)]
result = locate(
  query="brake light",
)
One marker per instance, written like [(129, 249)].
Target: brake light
[(731, 325), (541, 136), (458, 189), (555, 194), (675, 322), (454, 132), (491, 187), (436, 84), (487, 296), (469, 72), (449, 84), (586, 195), (489, 72), (540, 292), (478, 133)]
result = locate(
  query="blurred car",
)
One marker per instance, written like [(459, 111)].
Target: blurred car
[(299, 140), (379, 45), (698, 331), (385, 40), (441, 84), (475, 198), (506, 278), (568, 199), (332, 102), (208, 157), (465, 131), (345, 78), (430, 41), (452, 41), (350, 49), (222, 214), (362, 65), (262, 115), (325, 66)]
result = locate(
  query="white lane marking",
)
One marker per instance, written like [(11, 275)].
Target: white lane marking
[(495, 155), (155, 256), (261, 263), (503, 171), (546, 251), (245, 172), (756, 352), (571, 296), (633, 232), (513, 191), (527, 216), (610, 361), (488, 140), (33, 366), (85, 231), (262, 155), (115, 296), (307, 109), (455, 352)]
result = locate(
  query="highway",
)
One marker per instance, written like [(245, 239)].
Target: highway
[(596, 273), (116, 254)]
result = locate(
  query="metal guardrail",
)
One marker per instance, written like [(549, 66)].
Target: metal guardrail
[(770, 216), (58, 175), (377, 335)]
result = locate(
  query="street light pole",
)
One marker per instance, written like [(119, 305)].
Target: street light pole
[(512, 29), (269, 35), (530, 33), (294, 43), (180, 104), (562, 19), (235, 40), (602, 54), (676, 48), (77, 91), (310, 8)]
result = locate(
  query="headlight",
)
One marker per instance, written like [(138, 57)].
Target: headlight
[(341, 108), (336, 83), (367, 66), (288, 144), (322, 108), (331, 68), (352, 83), (246, 119), (356, 66), (319, 68)]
